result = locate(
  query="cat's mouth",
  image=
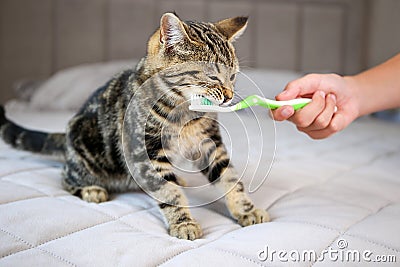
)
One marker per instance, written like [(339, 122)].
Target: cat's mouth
[(219, 96), (215, 95)]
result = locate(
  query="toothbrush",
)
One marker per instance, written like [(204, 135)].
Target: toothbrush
[(202, 104)]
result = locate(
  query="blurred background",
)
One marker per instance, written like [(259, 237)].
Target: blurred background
[(40, 37)]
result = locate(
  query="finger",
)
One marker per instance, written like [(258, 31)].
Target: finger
[(306, 85), (282, 113), (288, 93), (304, 117), (337, 124), (324, 118)]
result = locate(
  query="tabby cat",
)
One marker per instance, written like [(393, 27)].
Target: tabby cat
[(96, 137)]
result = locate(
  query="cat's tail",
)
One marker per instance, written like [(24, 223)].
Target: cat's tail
[(34, 141)]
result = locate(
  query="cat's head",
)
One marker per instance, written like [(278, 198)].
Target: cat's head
[(179, 42)]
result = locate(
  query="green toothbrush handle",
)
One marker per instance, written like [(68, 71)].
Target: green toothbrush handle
[(255, 100)]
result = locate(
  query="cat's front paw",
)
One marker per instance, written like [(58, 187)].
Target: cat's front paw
[(94, 194), (190, 230), (253, 217)]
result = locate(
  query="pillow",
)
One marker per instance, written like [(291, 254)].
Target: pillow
[(25, 88), (68, 89)]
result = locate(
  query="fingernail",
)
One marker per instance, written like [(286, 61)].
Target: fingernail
[(286, 112), (333, 97), (283, 93), (322, 93)]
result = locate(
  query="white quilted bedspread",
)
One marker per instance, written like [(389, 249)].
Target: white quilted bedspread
[(335, 201)]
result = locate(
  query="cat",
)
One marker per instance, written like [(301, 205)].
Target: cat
[(187, 58)]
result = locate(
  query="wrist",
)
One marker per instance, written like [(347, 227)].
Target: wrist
[(353, 86)]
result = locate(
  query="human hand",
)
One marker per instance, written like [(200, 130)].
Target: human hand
[(318, 119)]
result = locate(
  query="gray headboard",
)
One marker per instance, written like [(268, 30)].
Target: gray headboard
[(40, 37)]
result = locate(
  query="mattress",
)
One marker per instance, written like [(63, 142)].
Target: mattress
[(334, 201)]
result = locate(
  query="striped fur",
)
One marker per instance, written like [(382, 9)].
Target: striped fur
[(34, 141), (158, 130)]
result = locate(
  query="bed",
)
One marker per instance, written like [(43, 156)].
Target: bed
[(334, 201)]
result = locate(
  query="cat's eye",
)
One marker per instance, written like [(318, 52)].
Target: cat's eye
[(233, 76), (214, 78)]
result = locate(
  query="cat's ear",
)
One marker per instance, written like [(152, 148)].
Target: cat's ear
[(232, 28), (172, 31)]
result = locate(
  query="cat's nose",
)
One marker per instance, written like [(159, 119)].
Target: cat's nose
[(228, 94)]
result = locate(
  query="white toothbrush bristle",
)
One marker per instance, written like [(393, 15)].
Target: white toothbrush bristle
[(203, 104)]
